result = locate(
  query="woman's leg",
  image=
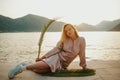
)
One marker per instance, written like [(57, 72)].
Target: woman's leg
[(39, 67)]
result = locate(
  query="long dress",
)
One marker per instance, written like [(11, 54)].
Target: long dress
[(60, 58)]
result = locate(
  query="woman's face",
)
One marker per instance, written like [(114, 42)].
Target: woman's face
[(69, 31)]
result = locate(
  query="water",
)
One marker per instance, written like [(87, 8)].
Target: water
[(18, 47)]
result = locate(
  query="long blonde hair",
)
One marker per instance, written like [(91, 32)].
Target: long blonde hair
[(64, 36)]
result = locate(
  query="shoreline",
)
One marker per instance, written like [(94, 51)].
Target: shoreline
[(51, 31), (105, 70)]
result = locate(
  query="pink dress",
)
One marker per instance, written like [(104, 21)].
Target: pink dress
[(58, 58)]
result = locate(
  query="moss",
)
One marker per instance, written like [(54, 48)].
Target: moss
[(71, 73)]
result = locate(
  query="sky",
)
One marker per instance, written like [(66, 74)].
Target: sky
[(70, 11)]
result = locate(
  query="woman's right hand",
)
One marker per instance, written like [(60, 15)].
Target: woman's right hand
[(38, 59)]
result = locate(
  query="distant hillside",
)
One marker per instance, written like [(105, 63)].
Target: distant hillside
[(107, 25), (34, 23), (117, 28), (6, 24), (28, 23), (87, 27)]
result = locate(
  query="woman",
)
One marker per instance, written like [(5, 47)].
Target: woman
[(66, 50)]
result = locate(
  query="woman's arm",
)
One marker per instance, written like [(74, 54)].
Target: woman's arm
[(53, 51), (82, 52)]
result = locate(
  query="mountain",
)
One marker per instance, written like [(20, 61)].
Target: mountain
[(117, 28), (34, 23), (86, 27), (5, 23), (108, 25), (28, 23)]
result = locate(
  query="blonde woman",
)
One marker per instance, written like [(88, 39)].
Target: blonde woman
[(66, 50)]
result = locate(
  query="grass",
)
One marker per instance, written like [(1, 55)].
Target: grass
[(44, 29), (71, 73)]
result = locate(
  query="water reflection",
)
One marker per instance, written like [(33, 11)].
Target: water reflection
[(24, 46)]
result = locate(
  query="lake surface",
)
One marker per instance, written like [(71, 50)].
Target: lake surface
[(17, 47)]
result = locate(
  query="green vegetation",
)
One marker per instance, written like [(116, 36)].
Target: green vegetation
[(71, 73), (45, 27)]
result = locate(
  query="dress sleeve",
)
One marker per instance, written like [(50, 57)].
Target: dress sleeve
[(54, 51), (82, 52)]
